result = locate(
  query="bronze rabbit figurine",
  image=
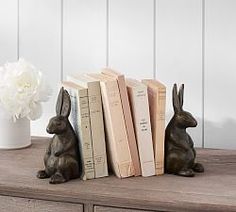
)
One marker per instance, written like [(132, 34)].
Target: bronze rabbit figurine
[(179, 148), (62, 155)]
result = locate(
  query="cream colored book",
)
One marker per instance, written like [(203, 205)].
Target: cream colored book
[(81, 123), (140, 111), (157, 106), (96, 120), (128, 118), (116, 136)]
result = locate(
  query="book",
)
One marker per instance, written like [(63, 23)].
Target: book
[(138, 97), (128, 118), (116, 135), (80, 121), (157, 105), (96, 120)]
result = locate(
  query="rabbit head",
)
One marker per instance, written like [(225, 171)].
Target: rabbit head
[(183, 119), (59, 123)]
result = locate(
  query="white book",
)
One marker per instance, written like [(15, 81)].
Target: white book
[(96, 121), (138, 97), (80, 121)]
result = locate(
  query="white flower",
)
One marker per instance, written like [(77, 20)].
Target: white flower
[(22, 89)]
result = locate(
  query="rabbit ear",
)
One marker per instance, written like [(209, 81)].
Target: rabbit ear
[(181, 96), (59, 101), (66, 105), (175, 99)]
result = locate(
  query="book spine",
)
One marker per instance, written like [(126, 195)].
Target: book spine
[(74, 120), (97, 130), (160, 131), (119, 151), (129, 125), (86, 139), (140, 109)]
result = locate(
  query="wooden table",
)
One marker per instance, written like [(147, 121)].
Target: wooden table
[(20, 190)]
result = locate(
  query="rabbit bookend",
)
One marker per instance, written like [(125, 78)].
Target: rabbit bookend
[(61, 159), (179, 151)]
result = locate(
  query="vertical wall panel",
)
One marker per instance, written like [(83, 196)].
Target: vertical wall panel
[(40, 44), (84, 36), (8, 31), (220, 74), (131, 37), (179, 54)]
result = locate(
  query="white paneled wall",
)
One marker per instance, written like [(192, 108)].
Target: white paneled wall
[(40, 43), (84, 36), (8, 30), (131, 41), (184, 41), (220, 74), (179, 54)]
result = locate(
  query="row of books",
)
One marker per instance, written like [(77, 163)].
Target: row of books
[(119, 122)]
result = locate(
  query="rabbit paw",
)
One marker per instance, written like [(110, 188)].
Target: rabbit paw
[(186, 173), (42, 174), (198, 167), (57, 178)]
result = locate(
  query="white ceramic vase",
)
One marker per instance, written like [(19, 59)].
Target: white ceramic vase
[(14, 135)]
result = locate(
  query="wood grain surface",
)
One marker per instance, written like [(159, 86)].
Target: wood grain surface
[(213, 190), (16, 204)]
